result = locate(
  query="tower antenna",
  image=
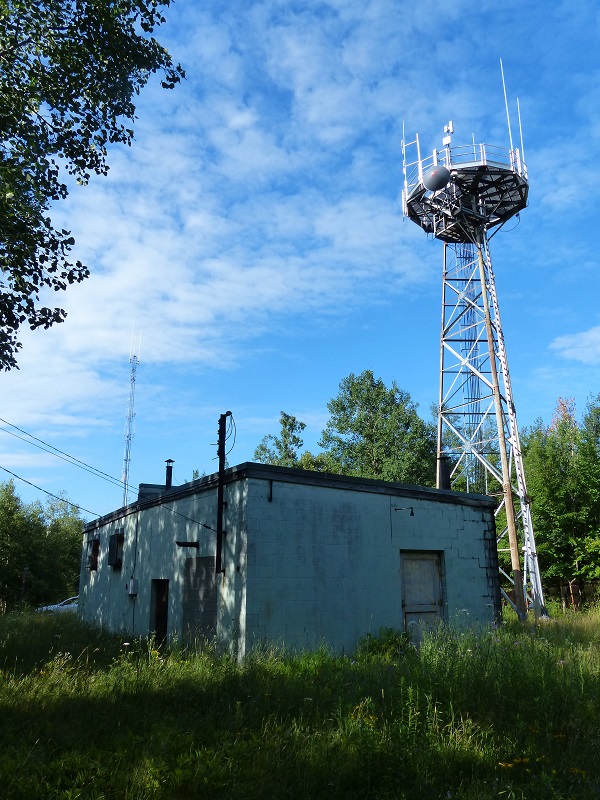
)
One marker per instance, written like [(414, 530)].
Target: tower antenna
[(506, 106), (130, 416), (520, 130), (457, 195)]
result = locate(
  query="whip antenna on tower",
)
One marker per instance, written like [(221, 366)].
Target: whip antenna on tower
[(506, 107), (130, 415), (457, 195)]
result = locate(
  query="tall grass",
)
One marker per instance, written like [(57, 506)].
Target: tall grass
[(509, 713)]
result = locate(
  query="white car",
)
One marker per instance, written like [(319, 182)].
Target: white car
[(61, 608)]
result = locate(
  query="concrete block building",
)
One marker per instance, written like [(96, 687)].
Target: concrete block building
[(306, 559)]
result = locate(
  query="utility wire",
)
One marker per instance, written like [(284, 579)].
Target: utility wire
[(55, 496), (69, 459), (87, 467), (93, 513), (61, 454), (232, 429), (195, 521)]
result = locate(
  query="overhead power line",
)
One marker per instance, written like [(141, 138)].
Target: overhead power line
[(94, 513), (55, 451), (55, 496)]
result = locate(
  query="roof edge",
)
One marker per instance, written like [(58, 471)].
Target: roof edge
[(270, 472)]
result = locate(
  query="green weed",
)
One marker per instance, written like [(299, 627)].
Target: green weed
[(507, 713)]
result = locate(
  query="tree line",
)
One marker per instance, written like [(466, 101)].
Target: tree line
[(375, 431), (40, 550), (562, 468)]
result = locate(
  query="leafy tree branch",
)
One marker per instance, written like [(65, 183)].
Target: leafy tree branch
[(69, 73)]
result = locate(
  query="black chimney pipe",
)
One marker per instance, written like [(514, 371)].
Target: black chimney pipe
[(169, 478), (445, 470)]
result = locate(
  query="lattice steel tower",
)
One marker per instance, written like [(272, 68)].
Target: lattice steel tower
[(129, 427), (459, 194)]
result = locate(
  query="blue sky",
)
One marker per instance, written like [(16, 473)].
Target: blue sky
[(253, 234)]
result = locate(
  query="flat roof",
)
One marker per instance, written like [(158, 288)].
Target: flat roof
[(303, 477)]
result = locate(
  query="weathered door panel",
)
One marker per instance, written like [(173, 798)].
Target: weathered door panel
[(422, 591)]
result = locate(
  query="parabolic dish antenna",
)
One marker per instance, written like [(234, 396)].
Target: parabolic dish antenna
[(436, 178)]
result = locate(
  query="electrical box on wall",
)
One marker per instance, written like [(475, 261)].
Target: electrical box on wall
[(132, 587)]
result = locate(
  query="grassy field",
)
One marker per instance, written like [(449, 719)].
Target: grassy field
[(511, 713)]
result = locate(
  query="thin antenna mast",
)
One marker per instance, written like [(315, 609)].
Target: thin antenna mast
[(129, 420), (521, 131), (506, 106)]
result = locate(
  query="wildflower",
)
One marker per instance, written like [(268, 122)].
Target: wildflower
[(577, 771), (505, 764), (520, 761)]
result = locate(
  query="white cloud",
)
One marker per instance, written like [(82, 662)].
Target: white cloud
[(584, 346), (260, 200), (18, 460)]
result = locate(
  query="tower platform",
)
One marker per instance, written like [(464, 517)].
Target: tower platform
[(487, 186)]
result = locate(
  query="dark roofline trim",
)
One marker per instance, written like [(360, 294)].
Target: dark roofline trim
[(325, 480)]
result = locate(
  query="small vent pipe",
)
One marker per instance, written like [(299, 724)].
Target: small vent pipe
[(169, 476)]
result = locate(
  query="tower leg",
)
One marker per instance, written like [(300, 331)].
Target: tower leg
[(506, 481), (477, 428)]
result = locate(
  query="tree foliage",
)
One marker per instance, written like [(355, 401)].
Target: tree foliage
[(69, 72), (373, 432), (40, 550), (562, 465), (282, 450)]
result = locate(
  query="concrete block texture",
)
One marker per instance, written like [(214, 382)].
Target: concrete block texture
[(308, 558)]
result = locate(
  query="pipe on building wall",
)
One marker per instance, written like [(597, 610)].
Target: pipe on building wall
[(133, 598), (220, 486)]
